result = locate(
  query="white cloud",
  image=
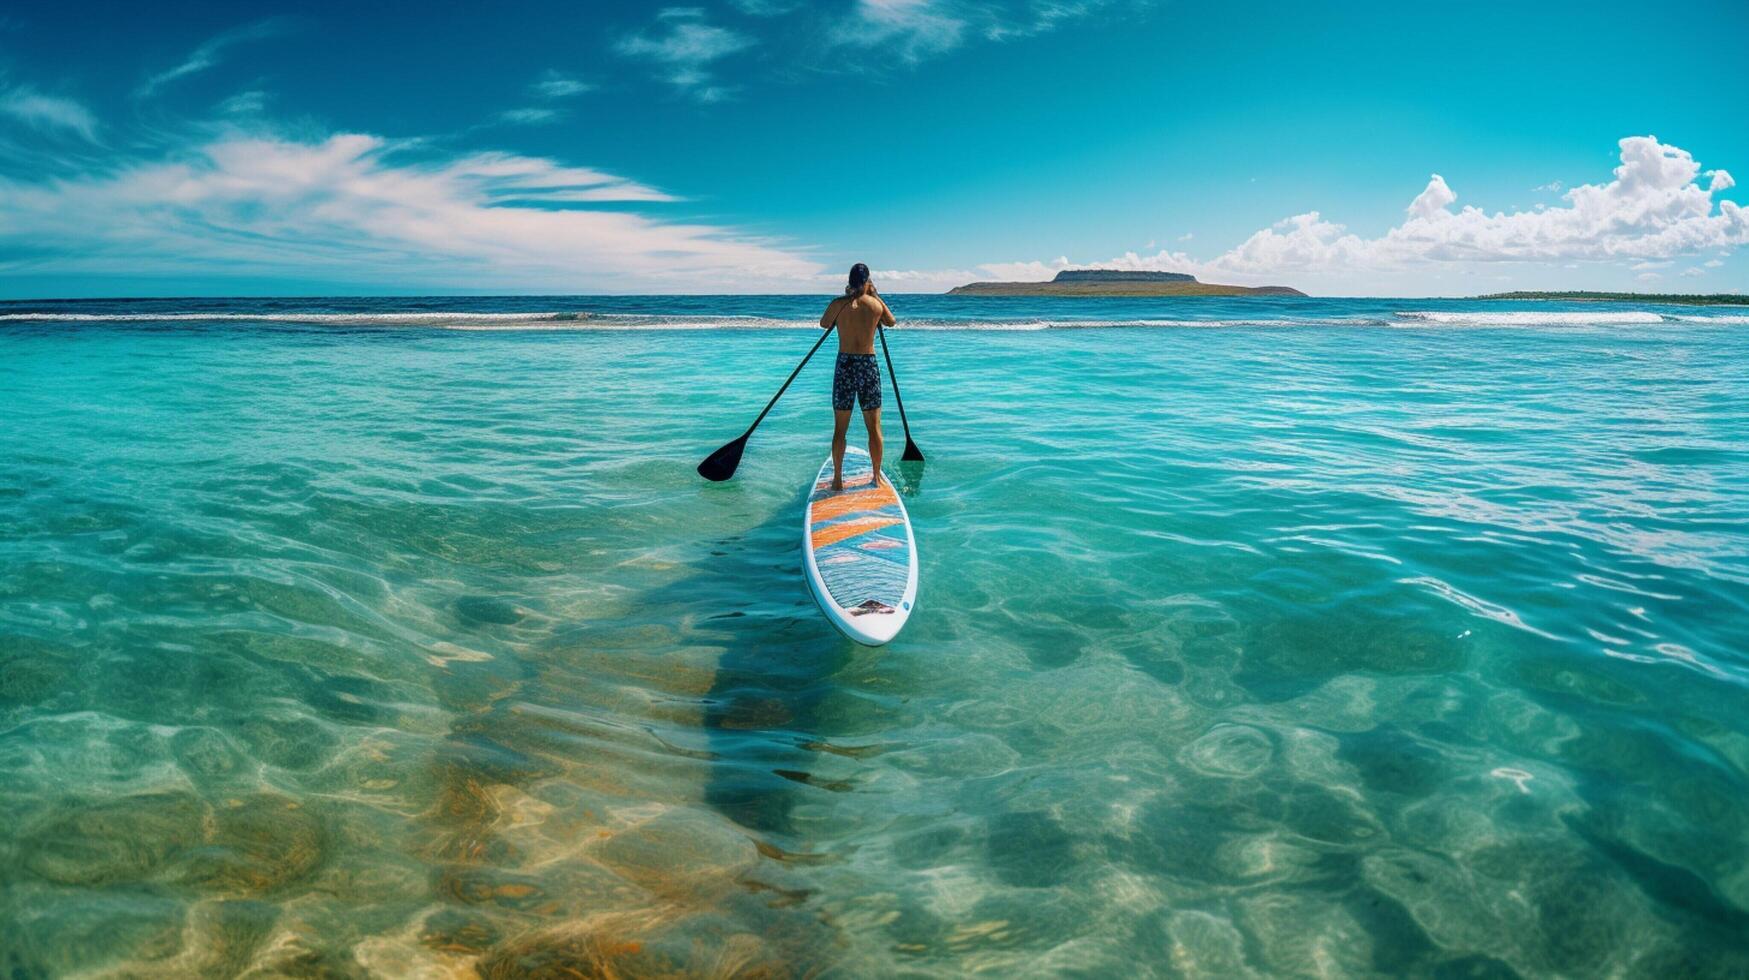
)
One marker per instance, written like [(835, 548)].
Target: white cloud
[(1435, 199), (1035, 271), (555, 85), (244, 103), (208, 54), (765, 8), (918, 28), (1648, 276), (528, 116), (920, 280), (1553, 186), (351, 208), (51, 112), (685, 49), (1652, 211), (1713, 263), (1693, 273), (552, 86)]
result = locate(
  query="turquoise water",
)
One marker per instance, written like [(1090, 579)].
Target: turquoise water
[(1317, 639)]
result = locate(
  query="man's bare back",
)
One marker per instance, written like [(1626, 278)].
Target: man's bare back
[(857, 317)]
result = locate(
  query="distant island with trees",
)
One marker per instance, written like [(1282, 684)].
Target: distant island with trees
[(1134, 283), (1118, 282), (1589, 296)]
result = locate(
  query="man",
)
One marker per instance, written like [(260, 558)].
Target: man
[(857, 377)]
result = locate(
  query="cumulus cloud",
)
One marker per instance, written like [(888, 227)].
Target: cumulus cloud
[(358, 208), (210, 53), (1653, 210), (50, 112), (685, 46), (921, 280), (1437, 197)]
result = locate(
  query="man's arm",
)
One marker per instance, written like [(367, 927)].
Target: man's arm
[(887, 315), (831, 315)]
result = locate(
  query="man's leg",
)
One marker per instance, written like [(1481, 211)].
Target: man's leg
[(840, 426), (871, 419)]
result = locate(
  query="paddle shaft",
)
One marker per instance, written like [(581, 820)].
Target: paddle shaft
[(910, 447)]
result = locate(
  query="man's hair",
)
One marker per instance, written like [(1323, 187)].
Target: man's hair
[(858, 284)]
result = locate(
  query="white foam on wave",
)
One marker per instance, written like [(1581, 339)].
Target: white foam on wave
[(429, 319), (1530, 318), (1723, 318), (555, 320)]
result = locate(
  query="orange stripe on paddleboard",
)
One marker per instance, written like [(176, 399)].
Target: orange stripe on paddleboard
[(840, 504), (834, 533)]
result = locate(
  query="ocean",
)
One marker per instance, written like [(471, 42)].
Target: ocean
[(1275, 637)]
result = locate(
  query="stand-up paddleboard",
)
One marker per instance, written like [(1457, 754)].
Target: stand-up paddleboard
[(858, 552)]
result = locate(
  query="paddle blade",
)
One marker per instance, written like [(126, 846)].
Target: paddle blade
[(720, 465), (912, 454)]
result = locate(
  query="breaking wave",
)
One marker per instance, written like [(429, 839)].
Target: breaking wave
[(1531, 318)]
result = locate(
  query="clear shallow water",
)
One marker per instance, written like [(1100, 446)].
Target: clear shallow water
[(1365, 644)]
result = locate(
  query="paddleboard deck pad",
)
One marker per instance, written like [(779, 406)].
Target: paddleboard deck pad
[(859, 556)]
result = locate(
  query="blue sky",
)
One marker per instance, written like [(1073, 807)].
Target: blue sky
[(763, 145)]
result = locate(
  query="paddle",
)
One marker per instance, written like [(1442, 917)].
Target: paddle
[(720, 465), (912, 454)]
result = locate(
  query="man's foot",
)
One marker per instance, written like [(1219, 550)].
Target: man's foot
[(837, 484)]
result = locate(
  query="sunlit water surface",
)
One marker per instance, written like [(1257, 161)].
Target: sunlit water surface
[(1350, 644)]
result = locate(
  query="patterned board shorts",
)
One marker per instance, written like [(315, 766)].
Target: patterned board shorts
[(856, 377)]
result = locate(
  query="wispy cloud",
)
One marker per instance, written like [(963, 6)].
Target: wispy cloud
[(48, 112), (248, 103), (920, 29), (1653, 210), (210, 53), (765, 8), (528, 116), (685, 46), (359, 208), (552, 87), (557, 85), (916, 28)]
